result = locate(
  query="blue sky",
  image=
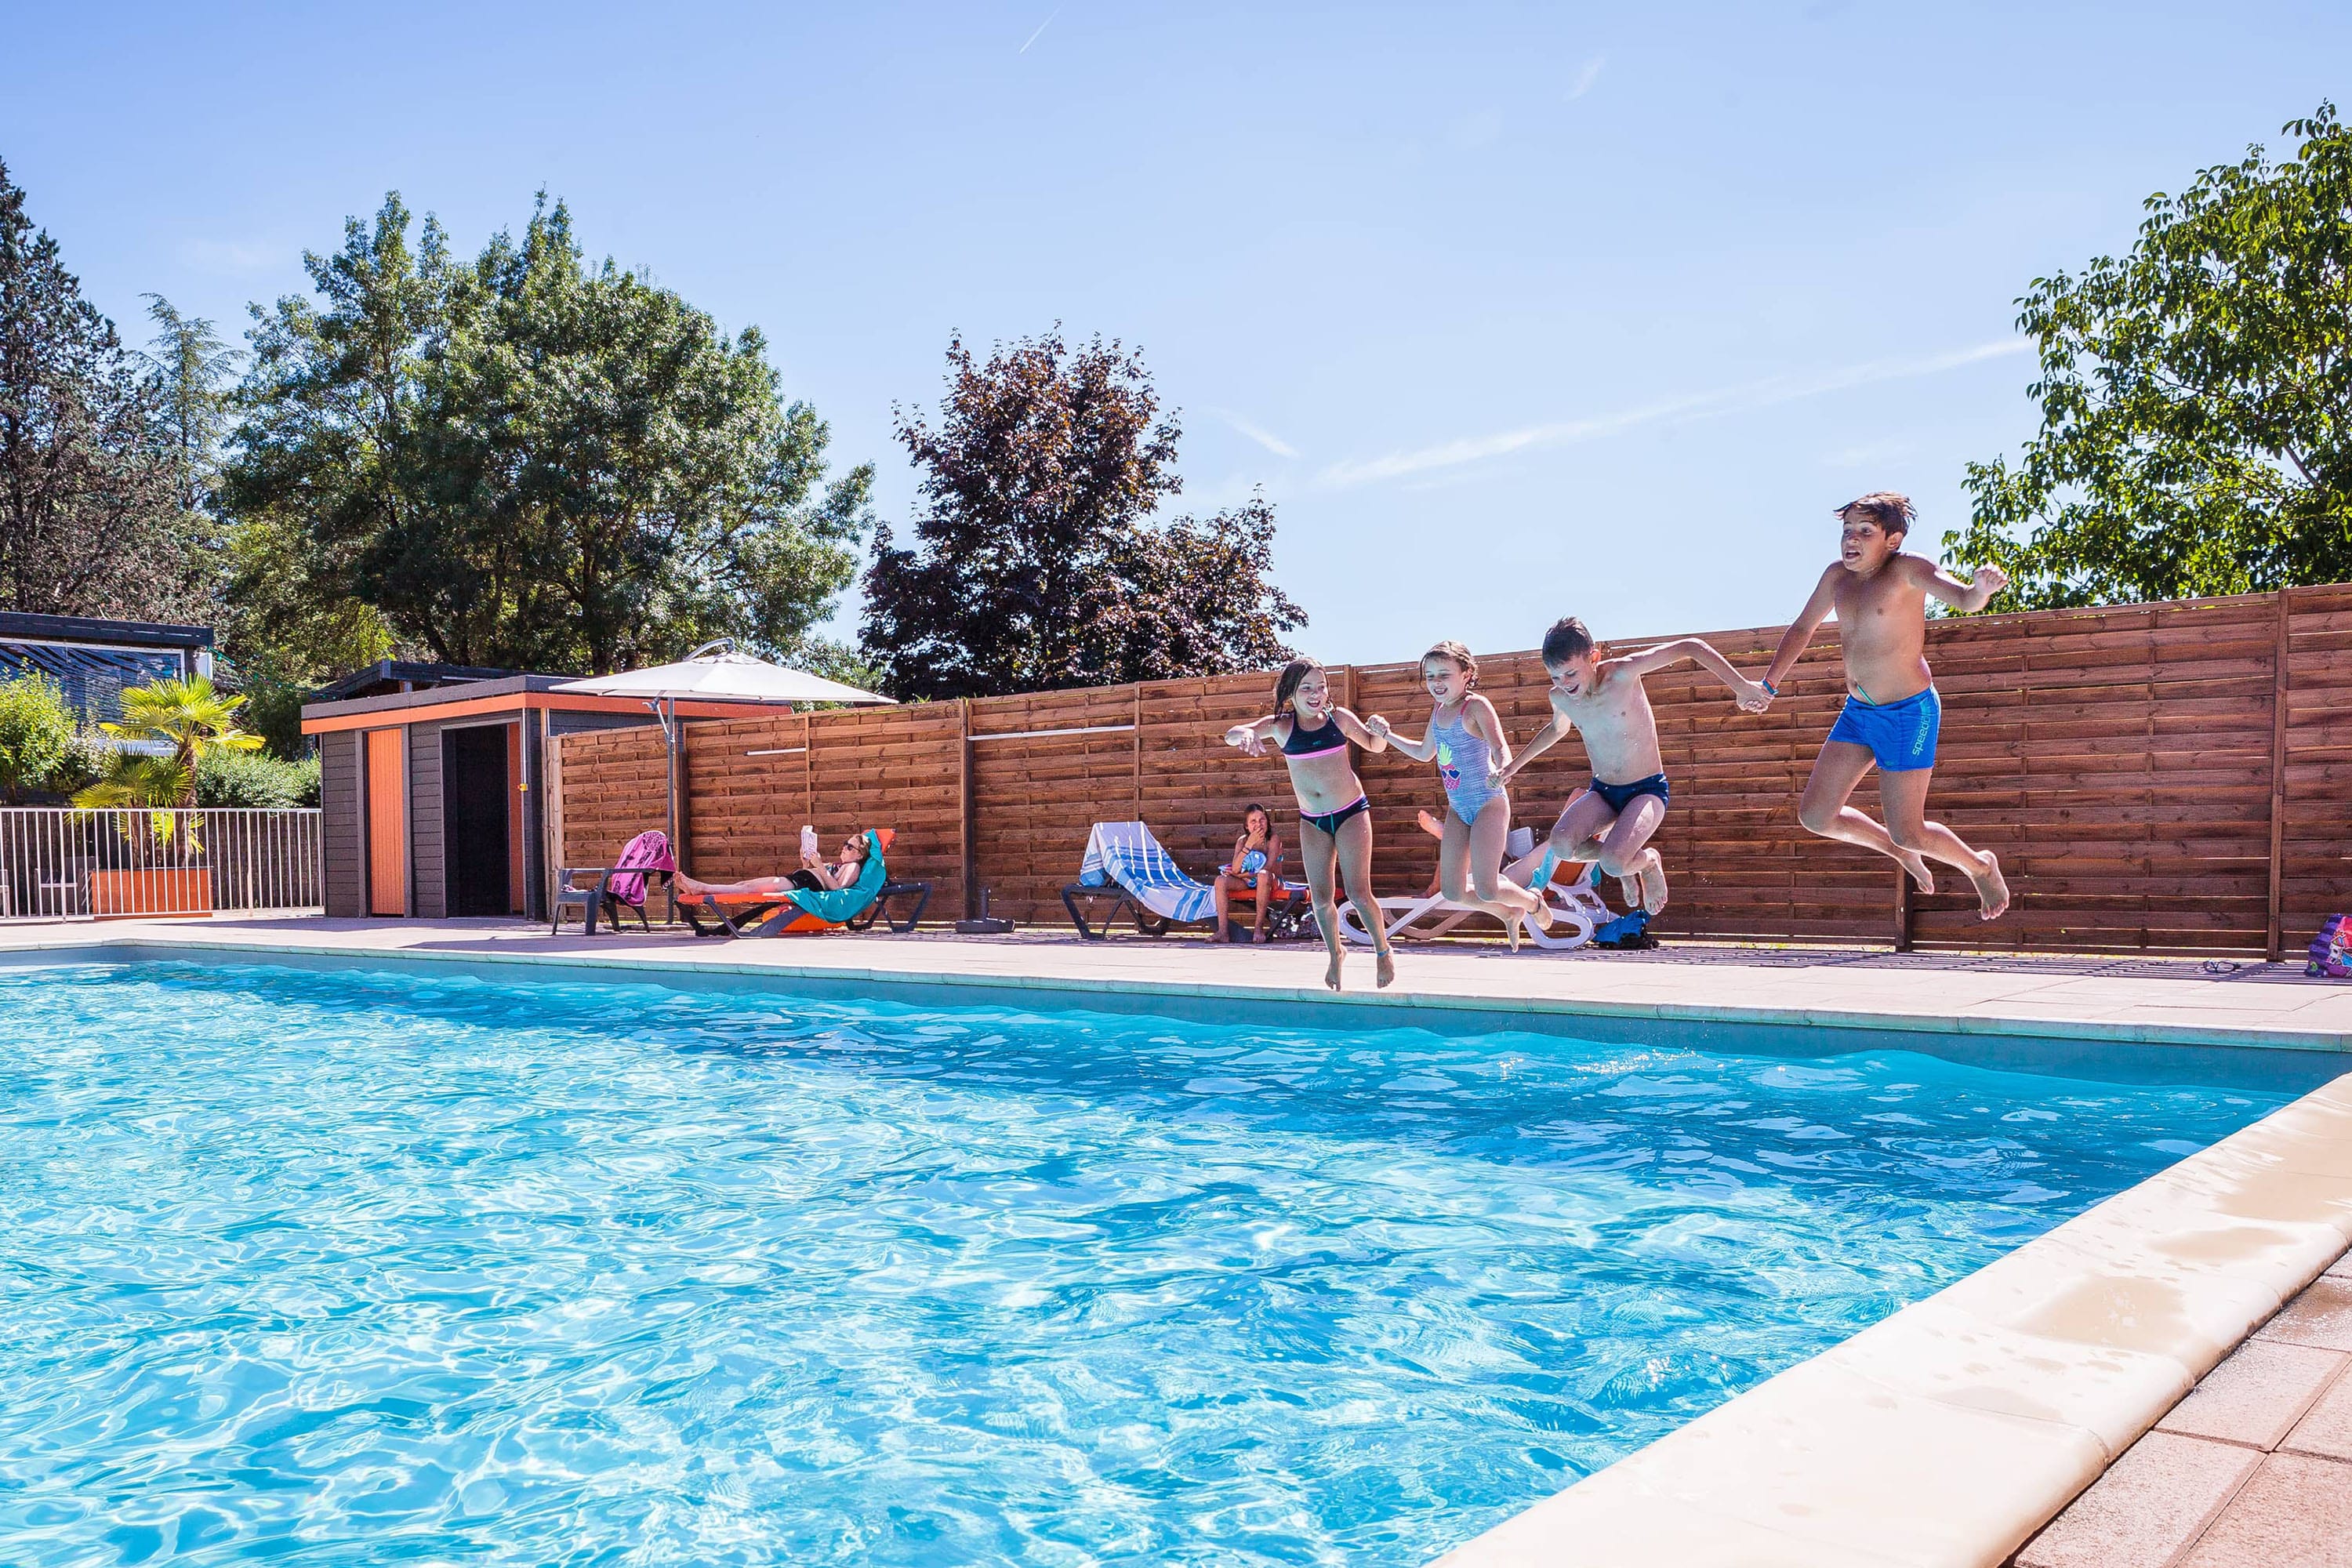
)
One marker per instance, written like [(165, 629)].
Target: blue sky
[(1513, 311)]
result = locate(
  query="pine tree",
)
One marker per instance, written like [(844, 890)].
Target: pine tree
[(89, 517)]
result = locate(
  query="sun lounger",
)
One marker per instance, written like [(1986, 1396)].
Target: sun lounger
[(1576, 913), (1126, 866), (623, 885), (800, 910)]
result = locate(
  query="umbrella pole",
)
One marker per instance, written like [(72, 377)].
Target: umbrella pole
[(666, 708)]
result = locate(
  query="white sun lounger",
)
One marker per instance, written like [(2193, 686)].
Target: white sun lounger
[(1576, 911)]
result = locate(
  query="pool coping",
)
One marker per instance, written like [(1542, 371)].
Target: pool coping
[(1952, 1431), (1401, 1006), (1945, 1435)]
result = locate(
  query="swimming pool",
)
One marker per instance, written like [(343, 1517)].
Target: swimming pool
[(369, 1267)]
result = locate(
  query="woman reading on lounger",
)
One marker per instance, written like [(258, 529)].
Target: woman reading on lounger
[(1335, 830), (1256, 867), (815, 875)]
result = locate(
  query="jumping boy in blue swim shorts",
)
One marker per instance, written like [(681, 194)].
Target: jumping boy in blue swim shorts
[(1892, 711), (1604, 700)]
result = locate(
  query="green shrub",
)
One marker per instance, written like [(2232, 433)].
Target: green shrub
[(87, 756), (36, 728), (256, 778)]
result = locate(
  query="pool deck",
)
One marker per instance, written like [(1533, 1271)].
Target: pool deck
[(2167, 1001), (1949, 1434)]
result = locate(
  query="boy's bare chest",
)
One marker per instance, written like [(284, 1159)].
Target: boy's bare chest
[(1877, 609), (1618, 707)]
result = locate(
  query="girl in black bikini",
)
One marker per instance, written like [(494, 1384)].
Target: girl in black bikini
[(1335, 824)]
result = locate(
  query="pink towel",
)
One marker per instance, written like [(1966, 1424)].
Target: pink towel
[(648, 851)]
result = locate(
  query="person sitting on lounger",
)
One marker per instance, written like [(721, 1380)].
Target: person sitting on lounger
[(815, 875), (1255, 868)]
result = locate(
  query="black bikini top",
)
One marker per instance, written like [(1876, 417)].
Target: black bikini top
[(1314, 742)]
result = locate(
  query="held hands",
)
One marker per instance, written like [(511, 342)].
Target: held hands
[(1752, 698), (1377, 727), (1989, 580), (1246, 737)]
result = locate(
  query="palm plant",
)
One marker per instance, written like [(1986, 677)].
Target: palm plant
[(194, 720)]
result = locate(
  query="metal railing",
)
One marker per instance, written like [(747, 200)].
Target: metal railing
[(58, 863)]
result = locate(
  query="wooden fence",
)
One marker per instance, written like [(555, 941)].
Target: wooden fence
[(2165, 777)]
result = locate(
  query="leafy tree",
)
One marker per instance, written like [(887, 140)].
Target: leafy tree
[(90, 523), (2196, 398), (526, 461), (1038, 561), (185, 715), (36, 729), (191, 369)]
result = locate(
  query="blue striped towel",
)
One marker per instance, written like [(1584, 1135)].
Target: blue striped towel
[(1126, 853)]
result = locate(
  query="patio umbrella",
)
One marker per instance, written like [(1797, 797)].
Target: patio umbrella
[(714, 672)]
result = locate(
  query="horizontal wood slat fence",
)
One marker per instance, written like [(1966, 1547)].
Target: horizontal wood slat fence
[(2164, 777)]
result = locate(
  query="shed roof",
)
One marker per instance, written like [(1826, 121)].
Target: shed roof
[(403, 675), (90, 631), (509, 694)]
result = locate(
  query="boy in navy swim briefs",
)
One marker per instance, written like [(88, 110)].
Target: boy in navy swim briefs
[(1604, 700), (1892, 713)]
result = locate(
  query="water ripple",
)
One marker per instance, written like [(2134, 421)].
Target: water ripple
[(369, 1269)]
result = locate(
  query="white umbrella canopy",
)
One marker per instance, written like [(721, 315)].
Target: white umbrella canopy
[(715, 672)]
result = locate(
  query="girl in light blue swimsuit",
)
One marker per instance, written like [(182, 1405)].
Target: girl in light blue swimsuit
[(1465, 740)]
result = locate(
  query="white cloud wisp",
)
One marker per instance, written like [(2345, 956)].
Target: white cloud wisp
[(1763, 394), (1265, 438)]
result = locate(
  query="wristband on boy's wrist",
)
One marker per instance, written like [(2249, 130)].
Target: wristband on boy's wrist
[(1768, 688)]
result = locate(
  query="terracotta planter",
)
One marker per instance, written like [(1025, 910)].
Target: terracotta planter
[(165, 890)]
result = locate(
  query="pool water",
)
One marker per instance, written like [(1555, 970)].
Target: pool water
[(370, 1267)]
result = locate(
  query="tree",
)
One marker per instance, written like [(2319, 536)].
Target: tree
[(528, 461), (36, 728), (2196, 398), (89, 520), (188, 717), (1038, 561), (191, 369)]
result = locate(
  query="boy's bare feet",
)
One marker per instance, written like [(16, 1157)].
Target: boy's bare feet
[(1993, 889), (1331, 975), (1651, 874), (1911, 860), (1542, 916), (1384, 968)]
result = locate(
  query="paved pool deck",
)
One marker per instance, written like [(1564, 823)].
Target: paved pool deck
[(2170, 1001), (2164, 1377)]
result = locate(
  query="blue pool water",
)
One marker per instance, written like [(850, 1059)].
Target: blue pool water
[(365, 1268)]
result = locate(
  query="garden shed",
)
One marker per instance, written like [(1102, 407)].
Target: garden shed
[(435, 800)]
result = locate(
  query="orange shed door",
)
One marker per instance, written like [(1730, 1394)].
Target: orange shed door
[(387, 822)]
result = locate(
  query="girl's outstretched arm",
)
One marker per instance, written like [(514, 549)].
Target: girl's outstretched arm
[(1753, 697), (1356, 729), (1420, 750), (1252, 738)]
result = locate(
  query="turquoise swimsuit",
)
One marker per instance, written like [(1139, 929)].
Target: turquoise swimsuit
[(1462, 768)]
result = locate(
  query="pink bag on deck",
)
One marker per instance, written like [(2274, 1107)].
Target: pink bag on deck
[(2331, 950)]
